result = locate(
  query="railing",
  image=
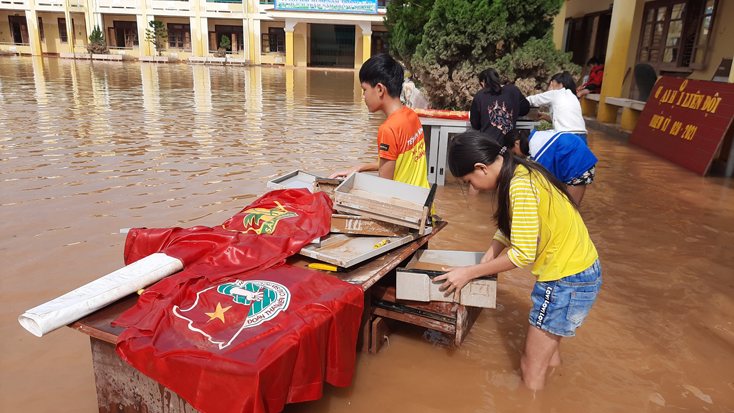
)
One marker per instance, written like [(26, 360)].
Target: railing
[(224, 1), (182, 5), (118, 4)]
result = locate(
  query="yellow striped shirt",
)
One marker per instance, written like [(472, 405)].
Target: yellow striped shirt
[(545, 229)]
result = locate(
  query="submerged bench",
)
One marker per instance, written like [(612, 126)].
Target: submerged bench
[(589, 104), (117, 57), (237, 61), (154, 59), (631, 110)]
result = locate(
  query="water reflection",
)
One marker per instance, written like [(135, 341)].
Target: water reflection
[(202, 88)]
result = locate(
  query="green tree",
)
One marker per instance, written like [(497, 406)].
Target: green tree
[(463, 37), (405, 20), (224, 45), (156, 34), (97, 43)]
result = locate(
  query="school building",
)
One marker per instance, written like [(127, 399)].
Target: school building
[(689, 39), (340, 33)]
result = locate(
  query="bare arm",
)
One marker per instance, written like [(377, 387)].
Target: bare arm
[(494, 251), (387, 169), (365, 167)]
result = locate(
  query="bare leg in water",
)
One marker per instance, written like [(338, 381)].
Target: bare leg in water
[(577, 192), (541, 351)]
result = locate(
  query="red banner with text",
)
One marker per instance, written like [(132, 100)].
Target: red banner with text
[(684, 121)]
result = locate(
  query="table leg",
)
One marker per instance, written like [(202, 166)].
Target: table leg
[(365, 328)]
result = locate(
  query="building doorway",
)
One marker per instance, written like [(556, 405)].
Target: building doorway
[(235, 35), (332, 45), (19, 29), (587, 36), (123, 34)]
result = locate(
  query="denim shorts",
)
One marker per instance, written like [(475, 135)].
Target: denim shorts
[(560, 307)]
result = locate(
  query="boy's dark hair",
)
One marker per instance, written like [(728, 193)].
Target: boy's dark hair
[(470, 148), (491, 80), (594, 61), (522, 135), (382, 68), (566, 80)]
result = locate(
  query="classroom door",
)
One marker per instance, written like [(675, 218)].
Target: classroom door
[(332, 45), (19, 29)]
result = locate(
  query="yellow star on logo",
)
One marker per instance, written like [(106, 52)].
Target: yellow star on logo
[(218, 313)]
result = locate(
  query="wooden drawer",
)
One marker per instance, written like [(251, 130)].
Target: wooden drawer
[(415, 280)]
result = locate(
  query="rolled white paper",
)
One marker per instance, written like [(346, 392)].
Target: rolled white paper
[(99, 293)]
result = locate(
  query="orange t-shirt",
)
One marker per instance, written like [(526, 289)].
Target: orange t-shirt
[(400, 139)]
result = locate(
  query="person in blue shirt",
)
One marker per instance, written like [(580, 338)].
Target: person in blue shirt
[(563, 154)]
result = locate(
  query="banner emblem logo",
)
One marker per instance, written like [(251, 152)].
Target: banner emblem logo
[(222, 312), (263, 220)]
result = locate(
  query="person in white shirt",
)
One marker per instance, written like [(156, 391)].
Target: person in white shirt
[(565, 109)]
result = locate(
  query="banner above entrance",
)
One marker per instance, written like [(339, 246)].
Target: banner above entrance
[(333, 6)]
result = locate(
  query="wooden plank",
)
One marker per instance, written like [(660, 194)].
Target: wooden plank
[(410, 223), (351, 250), (327, 186), (416, 320), (383, 293), (380, 332), (465, 318), (354, 224), (382, 199), (97, 324)]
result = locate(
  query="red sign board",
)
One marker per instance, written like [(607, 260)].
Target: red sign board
[(684, 121)]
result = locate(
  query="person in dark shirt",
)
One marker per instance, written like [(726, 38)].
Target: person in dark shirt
[(495, 108)]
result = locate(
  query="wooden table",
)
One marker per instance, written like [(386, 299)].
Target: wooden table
[(121, 388)]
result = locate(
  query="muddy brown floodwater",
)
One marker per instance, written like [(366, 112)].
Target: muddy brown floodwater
[(87, 149)]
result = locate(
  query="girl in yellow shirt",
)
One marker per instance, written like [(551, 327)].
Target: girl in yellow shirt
[(539, 222)]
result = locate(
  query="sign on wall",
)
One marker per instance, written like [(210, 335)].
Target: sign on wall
[(338, 6), (684, 121)]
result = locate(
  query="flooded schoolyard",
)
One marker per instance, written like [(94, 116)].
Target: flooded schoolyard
[(89, 148)]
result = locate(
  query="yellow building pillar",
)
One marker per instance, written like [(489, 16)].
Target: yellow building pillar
[(289, 52), (731, 77), (559, 24), (142, 20), (195, 24), (620, 33), (33, 31), (69, 27), (366, 45)]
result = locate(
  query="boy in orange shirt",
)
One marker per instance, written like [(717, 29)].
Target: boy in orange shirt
[(400, 139)]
